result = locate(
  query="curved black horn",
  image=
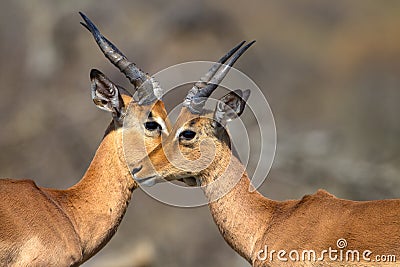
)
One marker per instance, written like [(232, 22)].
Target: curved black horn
[(213, 83), (136, 76), (198, 95), (147, 89), (210, 73)]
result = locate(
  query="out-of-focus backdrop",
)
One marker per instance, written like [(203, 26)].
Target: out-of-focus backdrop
[(329, 69)]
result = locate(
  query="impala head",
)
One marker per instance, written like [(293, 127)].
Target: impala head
[(140, 116), (198, 142)]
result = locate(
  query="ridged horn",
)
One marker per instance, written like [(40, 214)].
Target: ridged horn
[(148, 90), (197, 96)]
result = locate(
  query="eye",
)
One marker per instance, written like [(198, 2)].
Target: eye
[(187, 135), (152, 126)]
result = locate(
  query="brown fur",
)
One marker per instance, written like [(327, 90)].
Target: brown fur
[(50, 227), (248, 221)]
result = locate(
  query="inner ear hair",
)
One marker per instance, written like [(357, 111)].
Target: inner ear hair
[(230, 106), (105, 94)]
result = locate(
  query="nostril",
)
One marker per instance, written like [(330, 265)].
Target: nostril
[(136, 170)]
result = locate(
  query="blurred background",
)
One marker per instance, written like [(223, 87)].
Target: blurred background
[(329, 69)]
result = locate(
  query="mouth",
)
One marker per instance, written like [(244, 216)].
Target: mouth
[(147, 181), (190, 181), (136, 170)]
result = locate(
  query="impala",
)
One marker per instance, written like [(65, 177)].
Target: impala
[(263, 231), (49, 227)]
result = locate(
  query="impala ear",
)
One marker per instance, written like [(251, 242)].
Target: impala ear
[(231, 106), (105, 94)]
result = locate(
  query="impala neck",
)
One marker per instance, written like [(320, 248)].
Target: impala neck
[(98, 202), (240, 214)]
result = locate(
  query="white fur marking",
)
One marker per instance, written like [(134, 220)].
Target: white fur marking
[(162, 124)]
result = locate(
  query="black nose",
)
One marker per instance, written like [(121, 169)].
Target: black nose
[(136, 170)]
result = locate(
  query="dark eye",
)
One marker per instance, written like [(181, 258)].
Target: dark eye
[(152, 126), (187, 135)]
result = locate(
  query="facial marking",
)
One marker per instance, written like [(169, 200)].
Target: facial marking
[(160, 121), (179, 131)]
